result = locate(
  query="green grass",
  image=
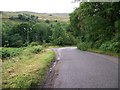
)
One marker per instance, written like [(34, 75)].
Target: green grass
[(86, 47), (10, 52), (104, 52), (27, 69)]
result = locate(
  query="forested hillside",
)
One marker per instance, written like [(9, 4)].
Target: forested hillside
[(23, 29), (97, 25)]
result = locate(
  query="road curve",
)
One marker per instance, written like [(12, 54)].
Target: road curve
[(81, 69)]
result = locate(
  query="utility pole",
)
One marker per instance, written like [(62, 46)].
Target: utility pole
[(28, 35), (36, 36)]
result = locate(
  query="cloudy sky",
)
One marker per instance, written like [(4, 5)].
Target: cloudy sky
[(41, 6)]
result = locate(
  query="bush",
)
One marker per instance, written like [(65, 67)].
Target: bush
[(82, 46), (60, 36), (47, 21), (55, 21), (9, 52), (110, 46), (69, 39), (97, 44), (36, 49), (4, 54), (46, 44), (34, 44)]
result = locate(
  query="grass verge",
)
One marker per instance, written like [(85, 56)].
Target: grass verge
[(27, 69), (104, 52)]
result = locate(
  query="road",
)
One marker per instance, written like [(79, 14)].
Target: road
[(81, 69)]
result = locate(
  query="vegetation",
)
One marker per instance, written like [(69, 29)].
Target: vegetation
[(23, 33), (24, 52), (97, 25), (10, 52), (28, 68), (63, 17), (27, 17), (60, 36), (25, 37)]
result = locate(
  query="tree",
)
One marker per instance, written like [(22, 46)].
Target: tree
[(96, 22), (41, 32), (60, 36), (19, 34), (28, 17)]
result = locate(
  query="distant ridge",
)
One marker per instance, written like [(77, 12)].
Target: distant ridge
[(41, 16)]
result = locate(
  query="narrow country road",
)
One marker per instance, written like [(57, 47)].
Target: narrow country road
[(81, 69)]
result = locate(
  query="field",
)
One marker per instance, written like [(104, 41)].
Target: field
[(41, 16)]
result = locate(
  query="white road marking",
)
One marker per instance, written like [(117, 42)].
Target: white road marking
[(60, 49), (58, 52)]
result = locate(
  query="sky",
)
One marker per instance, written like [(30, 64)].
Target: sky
[(40, 6)]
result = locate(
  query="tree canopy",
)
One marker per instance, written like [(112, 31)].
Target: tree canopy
[(97, 23)]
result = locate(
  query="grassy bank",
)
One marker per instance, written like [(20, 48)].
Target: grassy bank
[(108, 49), (10, 52), (104, 52), (100, 51), (27, 69)]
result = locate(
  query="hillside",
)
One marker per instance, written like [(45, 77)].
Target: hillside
[(41, 16)]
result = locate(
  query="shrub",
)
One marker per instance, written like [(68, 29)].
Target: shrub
[(10, 52), (55, 21), (36, 49), (34, 44), (110, 46), (69, 39), (82, 46), (47, 21), (4, 54), (46, 44), (97, 44)]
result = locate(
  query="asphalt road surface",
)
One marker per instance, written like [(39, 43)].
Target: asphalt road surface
[(81, 69)]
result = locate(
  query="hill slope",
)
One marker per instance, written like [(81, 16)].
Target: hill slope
[(42, 16)]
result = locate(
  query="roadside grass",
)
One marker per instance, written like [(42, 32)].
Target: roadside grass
[(27, 69), (86, 47), (104, 52), (10, 52)]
